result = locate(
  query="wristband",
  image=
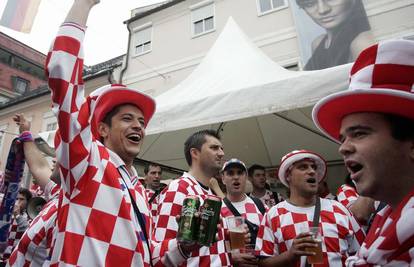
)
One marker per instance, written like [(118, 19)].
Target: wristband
[(26, 136)]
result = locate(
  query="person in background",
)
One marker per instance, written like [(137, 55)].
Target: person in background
[(257, 176), (152, 177), (323, 191), (237, 203), (19, 223), (36, 242)]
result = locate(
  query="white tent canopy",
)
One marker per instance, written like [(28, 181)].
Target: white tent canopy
[(262, 109), (237, 80)]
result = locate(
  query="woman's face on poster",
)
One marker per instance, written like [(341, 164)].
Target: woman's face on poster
[(328, 14)]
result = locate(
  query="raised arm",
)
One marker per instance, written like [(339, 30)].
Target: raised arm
[(64, 66), (80, 11), (37, 163)]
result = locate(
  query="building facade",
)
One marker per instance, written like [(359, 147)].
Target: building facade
[(168, 41), (21, 68)]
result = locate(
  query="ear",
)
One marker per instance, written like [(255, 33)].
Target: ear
[(103, 129), (194, 152)]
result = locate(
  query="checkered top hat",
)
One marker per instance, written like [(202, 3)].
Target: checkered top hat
[(105, 98), (234, 162), (297, 155), (381, 80)]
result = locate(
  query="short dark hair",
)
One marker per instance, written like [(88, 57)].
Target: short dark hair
[(255, 167), (26, 193), (147, 167), (107, 119), (196, 140), (402, 128)]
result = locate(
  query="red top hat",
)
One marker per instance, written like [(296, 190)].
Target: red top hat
[(297, 155), (105, 98), (382, 80)]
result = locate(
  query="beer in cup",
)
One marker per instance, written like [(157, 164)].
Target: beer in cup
[(316, 235), (236, 229)]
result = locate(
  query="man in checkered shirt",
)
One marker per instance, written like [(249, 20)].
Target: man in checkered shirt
[(35, 244), (153, 174), (373, 122), (234, 175), (283, 235), (204, 154), (103, 218)]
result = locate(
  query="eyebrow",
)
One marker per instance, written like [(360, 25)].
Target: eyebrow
[(353, 129)]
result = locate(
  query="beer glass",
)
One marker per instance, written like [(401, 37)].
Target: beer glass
[(235, 226), (316, 236)]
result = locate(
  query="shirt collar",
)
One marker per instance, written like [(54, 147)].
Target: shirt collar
[(118, 162)]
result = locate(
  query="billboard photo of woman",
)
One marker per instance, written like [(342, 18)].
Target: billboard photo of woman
[(339, 30)]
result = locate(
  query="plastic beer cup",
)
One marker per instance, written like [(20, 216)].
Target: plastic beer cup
[(316, 235), (236, 229)]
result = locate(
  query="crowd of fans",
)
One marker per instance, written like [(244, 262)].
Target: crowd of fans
[(99, 213)]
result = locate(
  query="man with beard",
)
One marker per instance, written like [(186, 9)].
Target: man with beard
[(374, 123), (204, 154), (284, 236)]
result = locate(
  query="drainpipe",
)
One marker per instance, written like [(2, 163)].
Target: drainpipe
[(126, 55)]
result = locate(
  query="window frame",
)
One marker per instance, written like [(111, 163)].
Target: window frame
[(135, 44), (193, 22), (260, 13), (48, 119), (16, 80)]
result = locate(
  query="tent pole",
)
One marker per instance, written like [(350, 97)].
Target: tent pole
[(304, 127)]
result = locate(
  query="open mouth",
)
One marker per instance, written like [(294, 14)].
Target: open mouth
[(354, 167), (311, 180), (236, 184), (134, 138)]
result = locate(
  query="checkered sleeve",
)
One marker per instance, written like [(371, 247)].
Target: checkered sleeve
[(356, 234), (64, 65), (166, 250), (346, 195), (266, 241)]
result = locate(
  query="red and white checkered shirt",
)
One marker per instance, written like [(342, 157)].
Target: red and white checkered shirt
[(341, 233), (17, 227), (390, 241), (154, 203), (35, 244), (96, 223), (166, 227), (247, 209), (347, 195)]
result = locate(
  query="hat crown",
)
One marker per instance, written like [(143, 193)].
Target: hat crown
[(387, 65)]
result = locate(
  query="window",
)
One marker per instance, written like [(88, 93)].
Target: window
[(49, 121), (20, 85), (142, 37), (202, 18), (267, 6)]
